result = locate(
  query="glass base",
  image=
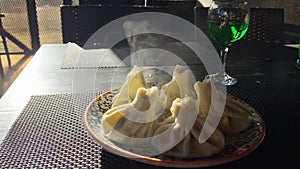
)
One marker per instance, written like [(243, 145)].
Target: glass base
[(298, 64), (223, 78)]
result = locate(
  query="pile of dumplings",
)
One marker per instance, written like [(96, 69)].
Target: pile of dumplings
[(176, 120)]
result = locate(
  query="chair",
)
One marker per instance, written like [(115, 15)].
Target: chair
[(6, 35), (1, 69), (34, 36), (266, 24), (81, 21), (4, 44)]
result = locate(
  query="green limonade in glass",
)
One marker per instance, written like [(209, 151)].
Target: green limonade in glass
[(226, 33), (298, 60), (228, 22)]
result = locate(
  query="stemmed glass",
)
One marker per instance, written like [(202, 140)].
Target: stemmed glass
[(228, 22), (298, 60)]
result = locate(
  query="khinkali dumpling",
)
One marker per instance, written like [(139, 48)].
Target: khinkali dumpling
[(164, 132), (134, 119), (179, 120), (190, 146), (181, 85), (235, 118), (135, 80)]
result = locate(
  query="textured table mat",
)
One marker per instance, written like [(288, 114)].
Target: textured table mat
[(50, 132), (76, 58)]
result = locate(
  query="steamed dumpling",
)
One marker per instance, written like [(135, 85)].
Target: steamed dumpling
[(205, 92), (235, 118), (135, 119), (178, 120), (180, 86), (135, 80), (174, 132), (192, 145), (134, 124)]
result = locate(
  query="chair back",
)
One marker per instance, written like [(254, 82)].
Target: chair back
[(266, 24), (81, 21)]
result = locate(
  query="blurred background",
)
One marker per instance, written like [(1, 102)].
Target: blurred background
[(49, 26), (291, 8), (49, 18)]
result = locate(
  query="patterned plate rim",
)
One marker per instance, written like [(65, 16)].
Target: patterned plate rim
[(109, 146)]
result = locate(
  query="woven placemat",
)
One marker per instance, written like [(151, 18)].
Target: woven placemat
[(100, 58), (50, 133), (79, 58)]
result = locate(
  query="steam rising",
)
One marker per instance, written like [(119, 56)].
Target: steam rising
[(150, 49)]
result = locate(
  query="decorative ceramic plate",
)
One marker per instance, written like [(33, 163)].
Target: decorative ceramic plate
[(237, 146)]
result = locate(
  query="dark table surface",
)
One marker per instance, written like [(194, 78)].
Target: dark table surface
[(267, 80)]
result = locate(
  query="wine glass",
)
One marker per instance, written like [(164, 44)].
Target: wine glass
[(228, 22), (298, 60)]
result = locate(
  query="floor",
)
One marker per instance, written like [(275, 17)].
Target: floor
[(18, 62), (16, 23)]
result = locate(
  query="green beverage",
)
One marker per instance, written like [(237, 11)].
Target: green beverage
[(298, 60), (225, 33)]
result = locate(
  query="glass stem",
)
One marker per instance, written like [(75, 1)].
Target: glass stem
[(223, 54)]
